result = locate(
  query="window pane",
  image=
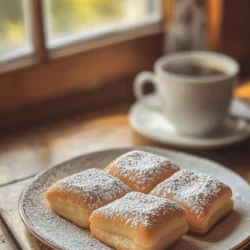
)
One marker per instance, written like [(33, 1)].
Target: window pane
[(14, 39), (71, 20)]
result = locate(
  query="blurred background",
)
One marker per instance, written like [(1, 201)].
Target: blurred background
[(66, 78), (53, 52), (66, 21)]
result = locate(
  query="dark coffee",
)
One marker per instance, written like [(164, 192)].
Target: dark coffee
[(191, 68)]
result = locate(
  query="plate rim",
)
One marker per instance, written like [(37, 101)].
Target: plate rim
[(27, 223), (191, 144), (53, 245)]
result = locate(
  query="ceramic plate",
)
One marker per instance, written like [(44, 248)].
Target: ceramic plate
[(58, 233), (150, 123)]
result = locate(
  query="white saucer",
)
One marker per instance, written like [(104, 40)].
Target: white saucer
[(153, 125)]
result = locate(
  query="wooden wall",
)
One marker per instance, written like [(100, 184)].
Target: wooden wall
[(229, 22)]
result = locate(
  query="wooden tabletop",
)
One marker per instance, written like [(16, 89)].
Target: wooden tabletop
[(25, 153)]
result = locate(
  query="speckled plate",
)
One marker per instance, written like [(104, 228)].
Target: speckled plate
[(54, 231)]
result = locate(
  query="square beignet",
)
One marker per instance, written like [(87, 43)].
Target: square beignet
[(141, 171), (139, 222), (205, 199), (76, 196)]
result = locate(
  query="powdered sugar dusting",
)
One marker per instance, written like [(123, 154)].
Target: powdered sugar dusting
[(96, 187), (194, 190), (65, 235), (142, 168), (56, 230), (140, 210)]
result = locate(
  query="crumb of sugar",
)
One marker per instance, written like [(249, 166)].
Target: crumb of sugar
[(140, 210), (195, 190), (95, 186), (142, 168)]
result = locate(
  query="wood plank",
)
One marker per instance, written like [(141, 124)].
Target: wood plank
[(9, 196), (31, 151), (235, 32), (106, 40), (79, 72), (168, 12), (6, 242), (215, 14), (78, 102), (18, 63), (27, 152), (38, 30)]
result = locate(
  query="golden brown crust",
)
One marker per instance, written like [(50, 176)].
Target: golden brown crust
[(121, 242), (141, 171), (89, 189), (206, 208), (199, 194), (141, 217), (80, 194), (62, 191), (221, 212)]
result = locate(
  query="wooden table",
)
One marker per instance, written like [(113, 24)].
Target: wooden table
[(25, 153)]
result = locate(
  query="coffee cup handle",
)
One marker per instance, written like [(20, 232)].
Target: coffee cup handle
[(138, 87)]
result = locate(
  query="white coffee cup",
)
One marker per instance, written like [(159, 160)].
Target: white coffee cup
[(193, 105)]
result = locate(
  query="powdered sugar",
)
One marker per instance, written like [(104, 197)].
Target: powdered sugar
[(96, 187), (194, 190), (64, 235), (143, 168), (48, 225), (140, 210)]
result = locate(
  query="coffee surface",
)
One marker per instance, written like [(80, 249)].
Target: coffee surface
[(193, 69)]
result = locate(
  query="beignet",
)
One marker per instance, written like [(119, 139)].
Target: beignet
[(141, 171), (76, 196), (205, 199), (139, 222)]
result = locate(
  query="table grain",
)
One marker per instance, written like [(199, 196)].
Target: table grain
[(27, 152)]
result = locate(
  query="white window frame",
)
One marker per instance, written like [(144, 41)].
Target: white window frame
[(98, 33)]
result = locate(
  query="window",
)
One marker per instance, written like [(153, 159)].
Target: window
[(70, 21), (14, 29), (49, 48)]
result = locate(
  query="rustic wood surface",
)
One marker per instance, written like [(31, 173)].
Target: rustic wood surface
[(10, 215), (9, 197), (79, 72), (27, 152), (6, 242)]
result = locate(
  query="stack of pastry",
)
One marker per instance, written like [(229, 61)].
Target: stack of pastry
[(141, 201)]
